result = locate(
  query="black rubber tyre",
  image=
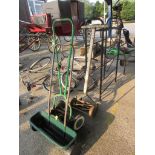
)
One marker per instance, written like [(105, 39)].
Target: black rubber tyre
[(46, 84), (35, 46), (40, 64), (79, 122)]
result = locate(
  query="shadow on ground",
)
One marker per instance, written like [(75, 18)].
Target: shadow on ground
[(92, 131), (95, 128), (26, 100)]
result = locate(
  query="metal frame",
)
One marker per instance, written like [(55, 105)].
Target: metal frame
[(103, 64)]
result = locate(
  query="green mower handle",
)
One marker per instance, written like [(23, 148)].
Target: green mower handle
[(70, 53), (69, 106)]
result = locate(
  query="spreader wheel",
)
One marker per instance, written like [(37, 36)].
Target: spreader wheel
[(79, 122)]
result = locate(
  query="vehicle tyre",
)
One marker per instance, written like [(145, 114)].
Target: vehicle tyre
[(46, 84), (53, 40), (35, 46), (40, 64)]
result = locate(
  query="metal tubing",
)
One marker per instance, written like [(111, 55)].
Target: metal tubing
[(101, 68), (69, 62), (85, 31), (105, 47), (68, 95), (118, 46), (107, 86), (91, 99), (51, 78), (110, 65)]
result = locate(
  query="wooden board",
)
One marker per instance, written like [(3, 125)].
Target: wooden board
[(89, 61)]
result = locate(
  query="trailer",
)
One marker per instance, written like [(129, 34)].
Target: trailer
[(40, 25)]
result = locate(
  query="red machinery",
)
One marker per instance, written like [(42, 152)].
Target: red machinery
[(58, 9), (40, 26), (40, 23), (66, 9)]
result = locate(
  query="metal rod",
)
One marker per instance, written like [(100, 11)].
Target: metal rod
[(51, 78), (101, 67), (105, 48), (107, 86), (124, 64), (104, 12), (85, 31), (118, 46), (91, 99), (110, 65), (69, 88), (110, 73), (108, 79)]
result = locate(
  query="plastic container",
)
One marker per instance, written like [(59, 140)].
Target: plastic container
[(53, 129)]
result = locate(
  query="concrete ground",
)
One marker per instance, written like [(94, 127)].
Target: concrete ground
[(110, 132)]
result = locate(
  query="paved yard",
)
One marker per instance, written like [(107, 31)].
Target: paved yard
[(110, 132)]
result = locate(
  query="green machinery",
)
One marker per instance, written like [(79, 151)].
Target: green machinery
[(52, 127), (63, 119)]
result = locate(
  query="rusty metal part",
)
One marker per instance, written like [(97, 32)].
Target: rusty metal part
[(84, 107)]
